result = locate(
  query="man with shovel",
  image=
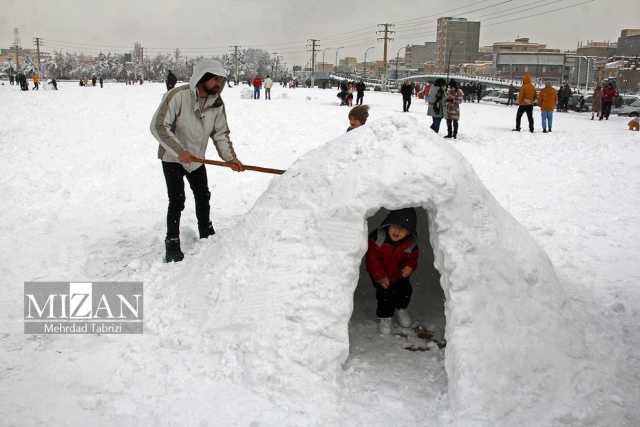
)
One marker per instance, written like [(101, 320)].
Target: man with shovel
[(185, 120)]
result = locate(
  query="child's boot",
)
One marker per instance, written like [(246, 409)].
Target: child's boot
[(384, 325), (403, 317)]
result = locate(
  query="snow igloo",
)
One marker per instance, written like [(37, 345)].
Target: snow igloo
[(275, 293)]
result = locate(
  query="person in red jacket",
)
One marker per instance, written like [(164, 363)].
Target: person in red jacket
[(609, 94), (391, 259), (257, 85)]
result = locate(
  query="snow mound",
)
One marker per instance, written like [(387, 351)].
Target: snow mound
[(274, 295)]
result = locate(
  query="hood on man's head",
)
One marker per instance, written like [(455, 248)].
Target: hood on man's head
[(526, 78), (211, 66)]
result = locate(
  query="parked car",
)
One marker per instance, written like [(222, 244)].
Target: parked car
[(628, 110), (492, 95), (578, 102), (503, 98), (624, 101)]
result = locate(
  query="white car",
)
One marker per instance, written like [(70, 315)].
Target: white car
[(627, 101), (627, 110)]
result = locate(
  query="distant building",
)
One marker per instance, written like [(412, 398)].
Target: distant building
[(513, 59), (416, 55), (624, 70), (348, 64), (540, 65), (457, 41), (485, 53), (602, 49), (324, 67), (521, 44), (629, 43)]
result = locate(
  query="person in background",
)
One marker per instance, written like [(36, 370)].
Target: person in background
[(171, 80), (596, 102), (406, 90), (634, 123), (609, 94), (36, 81), (360, 88), (512, 94), (257, 86), (268, 84), (526, 98), (452, 110), (547, 100), (436, 102)]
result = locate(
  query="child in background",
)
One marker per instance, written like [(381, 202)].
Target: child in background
[(634, 123), (391, 259), (358, 116)]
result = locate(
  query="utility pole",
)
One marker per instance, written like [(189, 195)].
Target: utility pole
[(16, 45), (386, 37), (314, 49), (38, 42), (235, 61)]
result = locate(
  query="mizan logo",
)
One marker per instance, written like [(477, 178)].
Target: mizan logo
[(83, 307)]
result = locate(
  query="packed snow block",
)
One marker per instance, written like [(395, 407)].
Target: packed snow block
[(280, 285)]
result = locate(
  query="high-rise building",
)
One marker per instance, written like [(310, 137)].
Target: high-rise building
[(457, 41), (416, 55)]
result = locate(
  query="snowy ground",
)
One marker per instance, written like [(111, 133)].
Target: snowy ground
[(85, 200)]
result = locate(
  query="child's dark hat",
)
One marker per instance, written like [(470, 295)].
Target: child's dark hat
[(405, 218)]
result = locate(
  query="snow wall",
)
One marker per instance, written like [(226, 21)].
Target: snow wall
[(269, 301)]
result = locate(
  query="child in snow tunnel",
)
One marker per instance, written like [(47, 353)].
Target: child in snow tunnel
[(391, 259), (358, 116)]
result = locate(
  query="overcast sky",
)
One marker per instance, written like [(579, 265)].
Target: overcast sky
[(209, 27)]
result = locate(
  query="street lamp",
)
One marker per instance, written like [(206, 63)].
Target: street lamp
[(398, 59), (364, 72), (337, 50), (274, 63), (323, 61), (458, 43)]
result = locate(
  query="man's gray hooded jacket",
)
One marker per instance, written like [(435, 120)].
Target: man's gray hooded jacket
[(180, 124)]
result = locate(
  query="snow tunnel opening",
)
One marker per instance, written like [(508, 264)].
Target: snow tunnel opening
[(426, 307)]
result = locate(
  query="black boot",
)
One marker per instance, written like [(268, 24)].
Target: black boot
[(207, 231), (172, 246)]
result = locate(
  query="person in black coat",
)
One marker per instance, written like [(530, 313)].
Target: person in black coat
[(171, 80), (360, 87), (406, 90)]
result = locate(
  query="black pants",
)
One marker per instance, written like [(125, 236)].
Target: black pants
[(525, 109), (173, 175), (452, 130), (398, 295), (606, 110), (406, 103), (359, 98)]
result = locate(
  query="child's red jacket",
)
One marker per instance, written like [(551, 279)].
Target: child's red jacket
[(386, 258)]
